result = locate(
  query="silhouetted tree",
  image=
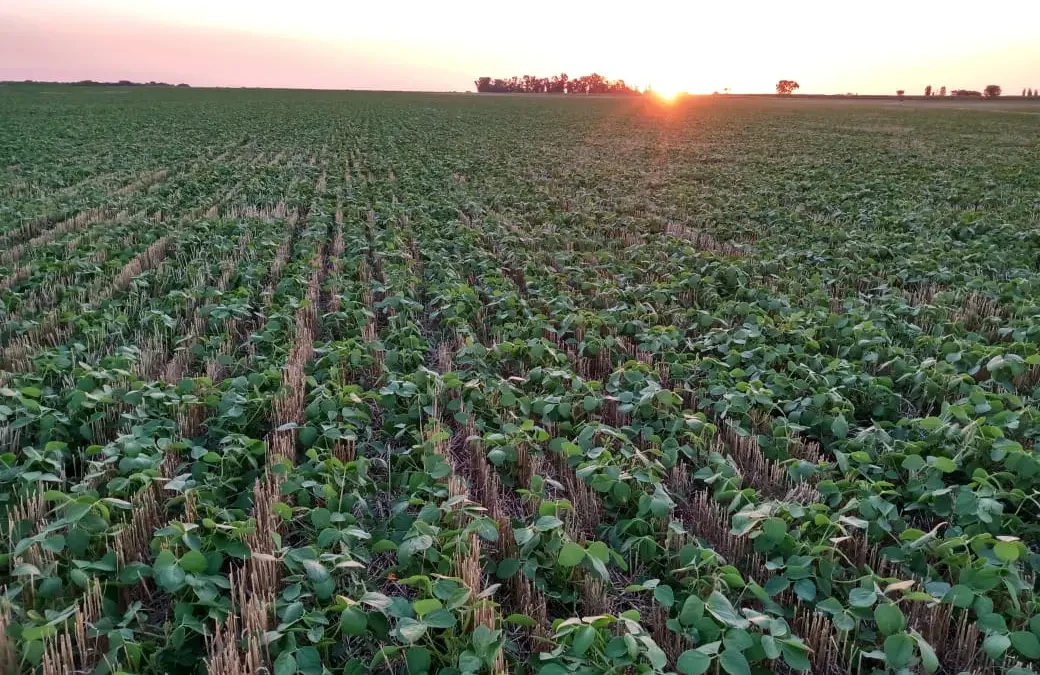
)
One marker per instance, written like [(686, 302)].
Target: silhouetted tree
[(786, 87), (900, 92), (992, 91), (942, 90), (557, 84), (928, 90), (966, 92), (529, 84)]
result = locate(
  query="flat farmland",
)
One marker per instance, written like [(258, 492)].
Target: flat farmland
[(328, 382)]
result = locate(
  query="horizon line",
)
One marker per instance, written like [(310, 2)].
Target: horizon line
[(157, 84)]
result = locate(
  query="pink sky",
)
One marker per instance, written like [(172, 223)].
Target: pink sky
[(828, 47)]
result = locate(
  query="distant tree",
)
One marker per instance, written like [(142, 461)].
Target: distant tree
[(786, 87), (971, 93), (942, 90), (900, 92), (992, 91), (557, 84), (529, 84), (620, 87), (928, 90)]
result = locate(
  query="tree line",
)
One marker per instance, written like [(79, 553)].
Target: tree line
[(788, 87), (991, 91), (95, 83), (557, 84)]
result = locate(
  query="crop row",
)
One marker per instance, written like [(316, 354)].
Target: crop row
[(402, 396)]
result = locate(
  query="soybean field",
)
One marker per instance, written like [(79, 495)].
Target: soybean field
[(341, 383)]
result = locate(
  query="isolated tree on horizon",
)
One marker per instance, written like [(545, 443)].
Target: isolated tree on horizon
[(942, 90), (900, 92), (992, 91), (928, 90), (786, 87)]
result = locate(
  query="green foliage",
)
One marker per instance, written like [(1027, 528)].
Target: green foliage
[(438, 373)]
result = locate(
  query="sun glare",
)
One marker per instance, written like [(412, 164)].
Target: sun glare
[(666, 95)]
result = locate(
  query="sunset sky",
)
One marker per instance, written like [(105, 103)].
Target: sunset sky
[(829, 47)]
